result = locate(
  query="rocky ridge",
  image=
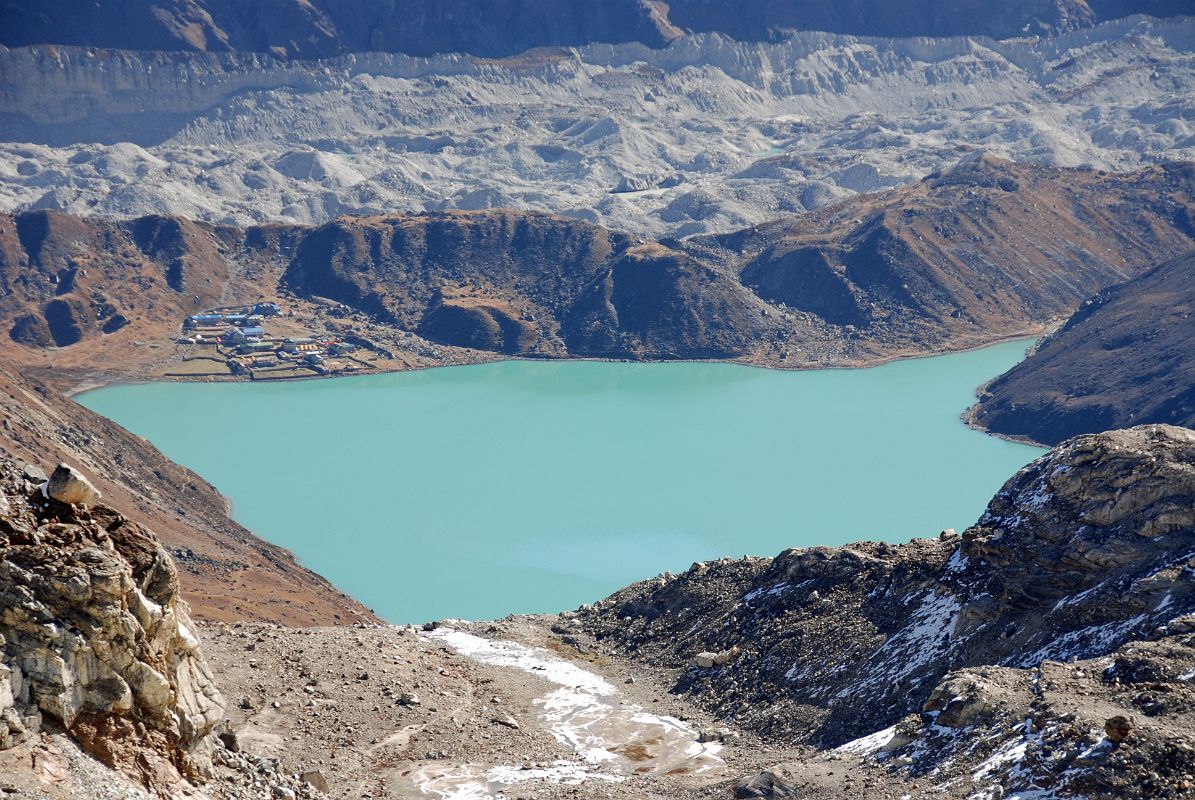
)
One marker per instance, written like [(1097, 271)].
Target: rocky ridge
[(956, 252), (1122, 359), (972, 254), (423, 27)]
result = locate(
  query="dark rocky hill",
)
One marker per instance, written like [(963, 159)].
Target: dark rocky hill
[(518, 282), (1124, 358), (322, 28)]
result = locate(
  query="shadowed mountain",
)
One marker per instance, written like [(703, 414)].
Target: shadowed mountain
[(321, 28), (1124, 358), (517, 282)]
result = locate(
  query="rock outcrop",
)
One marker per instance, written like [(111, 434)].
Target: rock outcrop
[(1124, 358), (94, 637), (1082, 551)]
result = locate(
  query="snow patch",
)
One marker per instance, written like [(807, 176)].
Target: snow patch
[(611, 739), (870, 744)]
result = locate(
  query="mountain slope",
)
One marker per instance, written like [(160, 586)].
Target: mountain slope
[(226, 572), (517, 282), (1124, 358), (985, 246), (422, 27), (297, 29)]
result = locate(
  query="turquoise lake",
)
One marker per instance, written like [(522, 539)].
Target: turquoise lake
[(522, 486)]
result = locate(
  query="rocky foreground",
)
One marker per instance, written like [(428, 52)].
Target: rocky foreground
[(1048, 651)]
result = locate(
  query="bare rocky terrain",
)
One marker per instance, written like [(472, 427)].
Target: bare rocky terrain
[(1122, 359), (789, 184)]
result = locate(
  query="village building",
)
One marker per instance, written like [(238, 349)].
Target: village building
[(203, 320), (242, 335), (297, 345)]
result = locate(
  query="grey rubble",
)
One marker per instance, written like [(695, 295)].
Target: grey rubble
[(720, 134)]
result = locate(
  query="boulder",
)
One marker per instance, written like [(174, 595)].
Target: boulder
[(68, 485), (34, 473), (315, 779), (765, 784), (708, 659), (1119, 728)]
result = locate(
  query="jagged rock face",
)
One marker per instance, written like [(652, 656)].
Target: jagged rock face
[(1123, 358), (1115, 727), (1081, 551), (758, 20), (94, 638), (324, 27)]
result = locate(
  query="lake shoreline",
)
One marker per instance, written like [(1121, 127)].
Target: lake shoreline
[(783, 407), (98, 381)]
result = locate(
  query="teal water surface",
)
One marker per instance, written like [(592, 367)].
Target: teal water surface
[(537, 486)]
